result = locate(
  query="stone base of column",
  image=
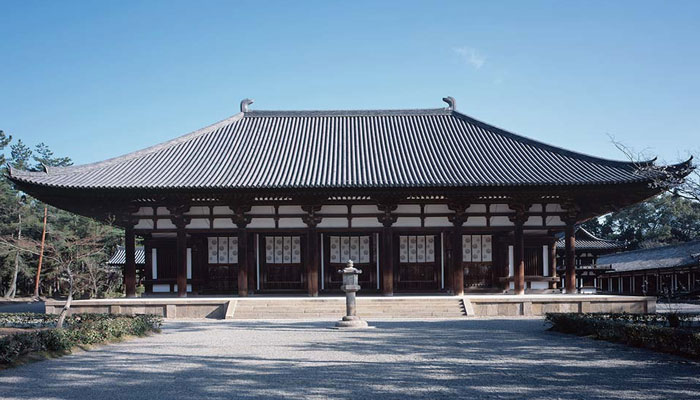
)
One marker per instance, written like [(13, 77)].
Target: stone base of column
[(351, 323)]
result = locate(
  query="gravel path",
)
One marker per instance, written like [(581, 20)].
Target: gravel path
[(475, 358)]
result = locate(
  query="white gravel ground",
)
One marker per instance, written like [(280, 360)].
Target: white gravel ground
[(473, 358)]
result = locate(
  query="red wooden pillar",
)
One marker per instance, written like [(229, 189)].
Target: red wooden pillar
[(387, 261), (243, 262), (457, 267), (130, 262), (386, 251), (313, 259), (553, 264), (570, 250), (181, 249), (312, 262), (519, 258)]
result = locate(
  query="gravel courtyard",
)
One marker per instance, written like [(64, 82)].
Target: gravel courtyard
[(475, 358)]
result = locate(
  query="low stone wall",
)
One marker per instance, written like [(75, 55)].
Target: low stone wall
[(166, 307), (404, 306), (539, 305)]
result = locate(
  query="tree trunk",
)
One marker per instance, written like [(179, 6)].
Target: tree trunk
[(66, 307), (13, 283)]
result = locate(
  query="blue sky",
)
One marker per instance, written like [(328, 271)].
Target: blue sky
[(98, 79)]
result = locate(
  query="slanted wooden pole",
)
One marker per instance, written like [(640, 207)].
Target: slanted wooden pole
[(41, 254), (130, 262)]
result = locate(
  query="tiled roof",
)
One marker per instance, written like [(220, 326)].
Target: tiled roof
[(677, 255), (119, 257), (342, 149), (587, 241)]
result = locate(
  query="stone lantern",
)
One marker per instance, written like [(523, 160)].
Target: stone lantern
[(350, 287)]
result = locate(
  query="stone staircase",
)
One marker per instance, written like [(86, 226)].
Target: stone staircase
[(334, 308)]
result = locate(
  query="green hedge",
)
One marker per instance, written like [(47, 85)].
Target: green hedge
[(80, 329), (645, 330)]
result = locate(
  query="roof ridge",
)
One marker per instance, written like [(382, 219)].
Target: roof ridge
[(346, 113), (549, 147)]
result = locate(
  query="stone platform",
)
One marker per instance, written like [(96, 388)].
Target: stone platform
[(368, 307)]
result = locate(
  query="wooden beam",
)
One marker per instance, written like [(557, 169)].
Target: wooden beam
[(130, 262), (386, 252), (312, 262)]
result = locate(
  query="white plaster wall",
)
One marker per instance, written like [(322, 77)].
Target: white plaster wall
[(500, 221), (198, 223), (199, 210), (554, 208), (262, 223), (290, 210), (475, 221), (477, 208), (366, 222), (292, 223), (536, 208), (539, 285), (437, 209), (261, 210), (144, 211), (165, 224), (334, 209), (554, 220), (437, 221), (162, 211), (222, 210), (533, 221), (223, 223), (407, 222), (333, 223), (365, 209), (500, 208), (144, 224), (408, 208)]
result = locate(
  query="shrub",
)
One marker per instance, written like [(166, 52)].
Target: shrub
[(81, 329), (644, 330)]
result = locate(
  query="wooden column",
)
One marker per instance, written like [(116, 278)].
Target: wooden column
[(180, 220), (553, 264), (518, 258), (312, 262), (130, 262), (519, 219), (570, 255), (459, 206), (243, 262), (386, 251), (386, 262), (181, 261), (457, 267), (244, 259), (313, 258)]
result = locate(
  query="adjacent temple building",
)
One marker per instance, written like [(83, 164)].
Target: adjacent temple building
[(424, 200)]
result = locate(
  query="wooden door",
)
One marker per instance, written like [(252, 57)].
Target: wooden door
[(221, 265), (339, 248), (419, 266), (282, 263)]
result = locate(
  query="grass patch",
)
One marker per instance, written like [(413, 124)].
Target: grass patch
[(42, 340), (676, 334)]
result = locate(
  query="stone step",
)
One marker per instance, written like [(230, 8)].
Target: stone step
[(335, 308)]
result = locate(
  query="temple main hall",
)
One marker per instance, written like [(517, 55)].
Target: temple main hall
[(422, 200)]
